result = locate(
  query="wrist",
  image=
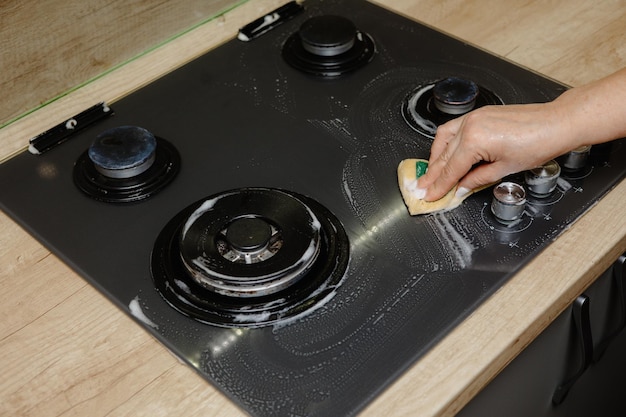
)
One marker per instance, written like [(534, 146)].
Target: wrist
[(568, 120), (594, 113)]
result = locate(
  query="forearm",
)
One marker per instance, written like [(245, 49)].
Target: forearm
[(595, 112)]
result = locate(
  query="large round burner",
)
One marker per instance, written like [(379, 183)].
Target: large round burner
[(434, 103), (126, 164), (225, 243), (328, 46), (249, 257)]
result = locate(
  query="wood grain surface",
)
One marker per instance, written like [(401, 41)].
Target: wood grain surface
[(47, 48), (65, 350)]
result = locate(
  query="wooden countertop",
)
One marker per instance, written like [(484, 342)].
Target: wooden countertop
[(66, 350)]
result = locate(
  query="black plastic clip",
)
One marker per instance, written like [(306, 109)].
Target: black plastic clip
[(61, 132), (268, 22)]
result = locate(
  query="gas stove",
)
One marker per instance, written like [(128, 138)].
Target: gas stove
[(244, 209)]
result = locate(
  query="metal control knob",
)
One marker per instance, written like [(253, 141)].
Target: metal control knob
[(541, 181), (509, 200), (576, 159)]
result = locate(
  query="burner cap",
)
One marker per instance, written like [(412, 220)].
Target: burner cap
[(249, 257), (434, 103), (328, 46), (123, 152), (328, 35), (248, 234), (455, 95), (126, 164)]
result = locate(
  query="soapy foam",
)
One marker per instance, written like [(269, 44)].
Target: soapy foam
[(206, 206), (135, 309), (425, 124), (413, 187), (457, 246)]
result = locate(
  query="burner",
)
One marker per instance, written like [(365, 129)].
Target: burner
[(455, 96), (435, 103), (328, 46), (249, 257), (126, 164)]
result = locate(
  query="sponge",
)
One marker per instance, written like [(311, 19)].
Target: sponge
[(409, 170)]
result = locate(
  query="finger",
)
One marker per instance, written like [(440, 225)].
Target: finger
[(436, 167), (443, 151), (482, 175), (448, 172), (445, 134)]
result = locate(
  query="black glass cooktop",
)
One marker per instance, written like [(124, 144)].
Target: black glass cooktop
[(244, 209)]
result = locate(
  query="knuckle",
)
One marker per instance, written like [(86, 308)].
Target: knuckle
[(447, 172), (445, 156)]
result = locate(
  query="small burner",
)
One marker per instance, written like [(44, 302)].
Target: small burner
[(123, 152), (434, 103), (328, 35), (126, 164), (249, 257), (455, 95), (328, 46)]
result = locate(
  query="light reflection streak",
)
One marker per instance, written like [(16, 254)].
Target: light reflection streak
[(381, 226), (225, 341), (219, 344)]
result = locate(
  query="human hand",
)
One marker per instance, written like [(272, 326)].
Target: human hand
[(485, 145)]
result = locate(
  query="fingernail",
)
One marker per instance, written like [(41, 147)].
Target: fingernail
[(461, 192)]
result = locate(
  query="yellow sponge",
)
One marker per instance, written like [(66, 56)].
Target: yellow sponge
[(409, 170)]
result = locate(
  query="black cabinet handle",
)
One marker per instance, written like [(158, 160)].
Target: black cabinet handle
[(580, 315), (619, 275)]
